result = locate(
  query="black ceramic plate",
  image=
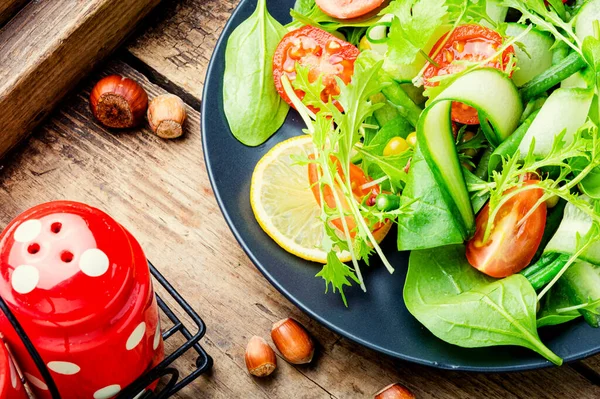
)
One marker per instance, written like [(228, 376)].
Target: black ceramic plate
[(377, 319)]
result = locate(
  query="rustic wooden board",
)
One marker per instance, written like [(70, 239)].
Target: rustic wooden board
[(8, 8), (176, 49), (178, 45), (160, 191), (48, 47)]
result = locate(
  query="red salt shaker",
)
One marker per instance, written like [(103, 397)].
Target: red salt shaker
[(80, 286), (10, 384)]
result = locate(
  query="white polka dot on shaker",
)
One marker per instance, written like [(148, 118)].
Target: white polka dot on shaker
[(79, 280)]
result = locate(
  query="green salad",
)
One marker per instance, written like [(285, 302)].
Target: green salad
[(471, 125)]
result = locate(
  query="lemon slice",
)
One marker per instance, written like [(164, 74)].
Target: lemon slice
[(283, 202)]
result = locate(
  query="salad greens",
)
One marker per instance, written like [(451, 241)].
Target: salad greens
[(253, 108), (466, 308), (478, 137)]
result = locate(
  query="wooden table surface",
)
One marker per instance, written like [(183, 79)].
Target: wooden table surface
[(160, 191)]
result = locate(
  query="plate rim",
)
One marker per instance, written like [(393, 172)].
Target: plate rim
[(209, 77)]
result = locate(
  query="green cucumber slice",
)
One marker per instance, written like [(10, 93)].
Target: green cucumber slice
[(495, 10), (496, 98), (535, 56), (584, 20), (574, 223), (565, 109)]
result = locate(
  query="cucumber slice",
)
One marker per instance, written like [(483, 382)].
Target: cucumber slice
[(565, 109), (494, 95), (582, 283), (575, 81), (584, 20), (501, 111), (537, 56), (574, 223), (495, 10)]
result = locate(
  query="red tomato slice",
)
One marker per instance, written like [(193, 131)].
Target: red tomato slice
[(357, 179), (471, 43), (325, 54), (510, 247), (345, 9)]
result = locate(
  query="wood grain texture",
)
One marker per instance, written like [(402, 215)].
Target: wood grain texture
[(8, 8), (160, 191), (48, 47), (178, 45)]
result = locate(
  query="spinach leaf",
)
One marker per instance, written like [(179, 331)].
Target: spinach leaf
[(428, 222), (550, 313), (464, 307), (251, 103)]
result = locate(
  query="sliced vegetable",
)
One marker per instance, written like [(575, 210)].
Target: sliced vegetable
[(363, 190), (513, 240), (584, 20), (344, 9), (564, 109), (582, 282), (575, 224), (555, 216), (534, 54), (466, 43), (466, 308), (327, 57), (495, 10), (434, 132), (552, 76), (253, 109)]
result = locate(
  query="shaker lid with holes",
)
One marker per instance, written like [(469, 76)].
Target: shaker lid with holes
[(66, 264)]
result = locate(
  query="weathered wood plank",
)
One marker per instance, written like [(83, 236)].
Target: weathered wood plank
[(48, 47), (177, 47), (8, 8), (160, 191)]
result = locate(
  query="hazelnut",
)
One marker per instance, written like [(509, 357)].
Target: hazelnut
[(394, 391), (118, 102), (260, 358), (293, 341), (166, 115)]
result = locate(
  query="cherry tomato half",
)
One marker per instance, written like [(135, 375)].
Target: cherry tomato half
[(345, 9), (470, 43), (510, 247), (325, 54), (358, 179)]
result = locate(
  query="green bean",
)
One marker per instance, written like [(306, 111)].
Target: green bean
[(546, 274), (387, 202), (552, 76), (541, 263)]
